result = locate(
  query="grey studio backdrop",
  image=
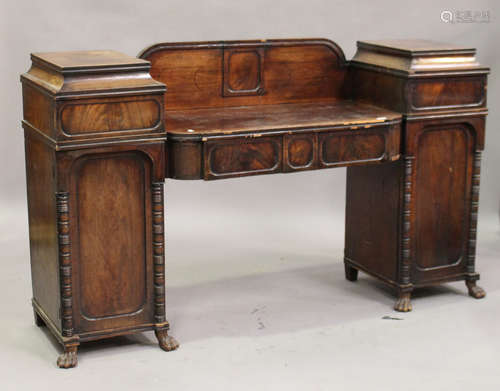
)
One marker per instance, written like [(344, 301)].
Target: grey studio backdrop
[(254, 265)]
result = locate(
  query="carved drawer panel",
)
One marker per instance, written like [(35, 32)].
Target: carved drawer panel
[(251, 155), (447, 93), (300, 152), (355, 146), (99, 118), (237, 157)]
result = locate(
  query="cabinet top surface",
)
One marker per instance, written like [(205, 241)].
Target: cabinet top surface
[(415, 46), (418, 56), (87, 59), (90, 72)]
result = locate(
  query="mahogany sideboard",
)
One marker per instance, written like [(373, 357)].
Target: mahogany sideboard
[(103, 130)]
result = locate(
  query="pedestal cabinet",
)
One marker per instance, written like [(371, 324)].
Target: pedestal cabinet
[(95, 145), (413, 222)]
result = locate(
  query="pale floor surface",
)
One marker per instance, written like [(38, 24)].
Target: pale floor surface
[(273, 314)]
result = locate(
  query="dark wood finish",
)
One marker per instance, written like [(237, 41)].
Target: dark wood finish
[(373, 200), (351, 273), (115, 272), (88, 116), (341, 148), (258, 153), (423, 77), (236, 157), (263, 72), (441, 92), (406, 117), (243, 72), (269, 137), (300, 151), (44, 250), (447, 93), (94, 97), (184, 159), (283, 118), (281, 86), (95, 154)]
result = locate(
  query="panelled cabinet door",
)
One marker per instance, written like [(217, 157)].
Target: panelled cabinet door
[(112, 272), (442, 177)]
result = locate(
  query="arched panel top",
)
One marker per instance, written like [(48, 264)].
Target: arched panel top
[(241, 73)]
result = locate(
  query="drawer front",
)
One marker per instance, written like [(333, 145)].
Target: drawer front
[(447, 93), (112, 116), (239, 157), (358, 146), (250, 155)]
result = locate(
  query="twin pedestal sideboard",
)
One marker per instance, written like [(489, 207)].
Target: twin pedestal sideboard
[(103, 130)]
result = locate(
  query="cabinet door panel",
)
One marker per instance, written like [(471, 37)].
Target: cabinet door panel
[(442, 197), (112, 197)]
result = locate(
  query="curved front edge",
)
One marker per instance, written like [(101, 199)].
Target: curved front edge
[(221, 157)]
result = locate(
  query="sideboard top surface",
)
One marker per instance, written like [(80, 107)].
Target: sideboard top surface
[(228, 120)]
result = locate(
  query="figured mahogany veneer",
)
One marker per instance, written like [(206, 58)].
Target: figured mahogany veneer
[(431, 196), (102, 132), (247, 140), (246, 73), (284, 107), (95, 164)]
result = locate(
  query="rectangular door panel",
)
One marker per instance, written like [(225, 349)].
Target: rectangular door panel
[(442, 197), (112, 194)]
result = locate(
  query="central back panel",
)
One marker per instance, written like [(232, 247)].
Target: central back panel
[(240, 73)]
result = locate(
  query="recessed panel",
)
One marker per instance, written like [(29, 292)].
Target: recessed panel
[(447, 93), (300, 151), (236, 157), (441, 197), (340, 147), (86, 118), (199, 74), (112, 238), (244, 71)]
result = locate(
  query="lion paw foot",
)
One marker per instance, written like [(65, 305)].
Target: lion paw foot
[(403, 303), (68, 359), (474, 290), (165, 341)]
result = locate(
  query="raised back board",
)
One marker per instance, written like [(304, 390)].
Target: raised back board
[(241, 73)]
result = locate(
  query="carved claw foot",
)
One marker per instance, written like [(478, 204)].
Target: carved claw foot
[(165, 341), (351, 273), (474, 290), (403, 303), (69, 358)]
